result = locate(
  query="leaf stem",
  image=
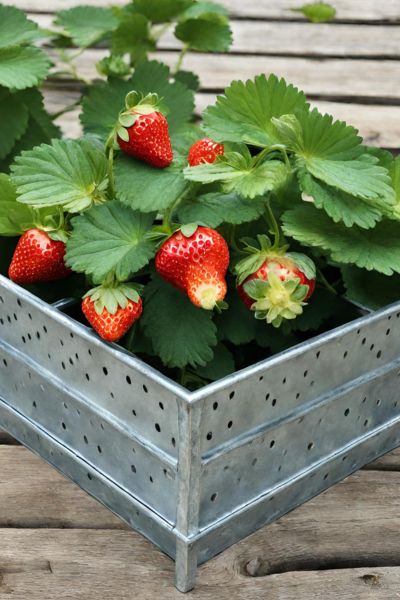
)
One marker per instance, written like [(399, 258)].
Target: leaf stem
[(272, 222), (111, 170), (273, 148), (325, 282), (66, 109), (180, 59), (166, 224), (160, 32)]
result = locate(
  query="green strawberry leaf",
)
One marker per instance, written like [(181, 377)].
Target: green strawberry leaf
[(132, 36), (39, 118), (377, 248), (67, 173), (216, 208), (14, 120), (245, 112), (317, 12), (40, 128), (239, 172), (189, 79), (394, 172), (208, 32), (372, 290), (221, 365), (181, 333), (143, 187), (22, 67), (15, 28), (103, 102), (339, 205), (237, 324), (110, 239), (197, 9), (13, 216), (159, 12), (332, 152), (87, 25)]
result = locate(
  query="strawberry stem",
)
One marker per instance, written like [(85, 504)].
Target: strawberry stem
[(325, 282), (272, 222), (182, 55), (111, 170)]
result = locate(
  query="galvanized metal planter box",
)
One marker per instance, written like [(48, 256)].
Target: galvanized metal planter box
[(195, 472)]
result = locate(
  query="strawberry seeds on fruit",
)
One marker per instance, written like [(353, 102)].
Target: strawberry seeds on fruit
[(196, 262), (112, 309), (38, 258), (143, 132), (204, 151)]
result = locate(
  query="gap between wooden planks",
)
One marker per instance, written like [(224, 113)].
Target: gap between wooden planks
[(57, 542), (344, 78), (301, 39), (354, 11)]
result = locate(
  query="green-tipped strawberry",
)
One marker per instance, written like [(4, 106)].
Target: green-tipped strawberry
[(112, 310), (38, 258), (196, 262), (204, 151), (275, 284), (142, 130)]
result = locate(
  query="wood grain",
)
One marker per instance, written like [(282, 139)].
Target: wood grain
[(88, 565), (32, 494), (356, 10), (322, 78), (321, 550), (291, 39)]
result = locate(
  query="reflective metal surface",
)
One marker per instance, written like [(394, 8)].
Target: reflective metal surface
[(195, 472)]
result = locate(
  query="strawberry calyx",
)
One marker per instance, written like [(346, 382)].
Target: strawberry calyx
[(112, 297), (136, 105), (56, 228), (258, 254), (276, 300), (189, 229)]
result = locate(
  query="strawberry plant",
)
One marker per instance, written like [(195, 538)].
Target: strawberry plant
[(199, 247)]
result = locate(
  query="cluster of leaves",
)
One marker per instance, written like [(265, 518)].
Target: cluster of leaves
[(287, 171), (334, 198), (24, 121), (133, 31)]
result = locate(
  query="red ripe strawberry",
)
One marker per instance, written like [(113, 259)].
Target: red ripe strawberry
[(196, 264), (111, 312), (38, 258), (204, 151), (275, 284), (143, 131)]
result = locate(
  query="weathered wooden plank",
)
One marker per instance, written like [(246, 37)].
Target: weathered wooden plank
[(379, 125), (302, 39), (322, 78), (87, 565), (32, 494), (356, 10)]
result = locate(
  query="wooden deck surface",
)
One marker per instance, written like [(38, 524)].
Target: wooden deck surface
[(56, 542)]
